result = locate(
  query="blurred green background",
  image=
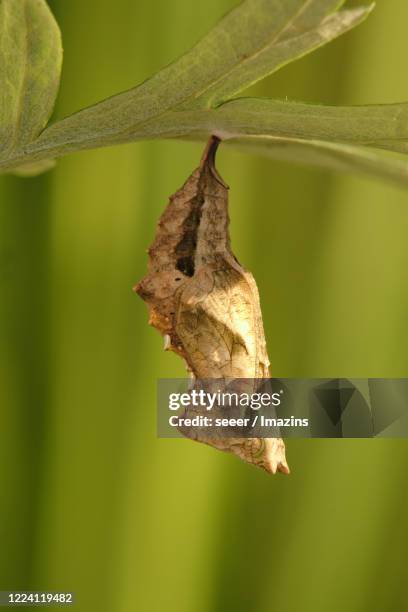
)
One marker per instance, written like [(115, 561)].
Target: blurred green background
[(91, 500)]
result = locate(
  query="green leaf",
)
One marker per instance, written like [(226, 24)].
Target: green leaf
[(185, 99), (382, 126), (250, 42), (288, 129), (331, 155), (289, 32), (30, 66)]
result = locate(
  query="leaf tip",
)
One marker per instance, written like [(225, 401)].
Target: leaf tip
[(366, 9)]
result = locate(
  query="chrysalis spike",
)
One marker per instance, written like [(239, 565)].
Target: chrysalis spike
[(208, 157)]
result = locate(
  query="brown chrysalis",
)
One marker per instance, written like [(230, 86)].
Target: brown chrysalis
[(204, 302)]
